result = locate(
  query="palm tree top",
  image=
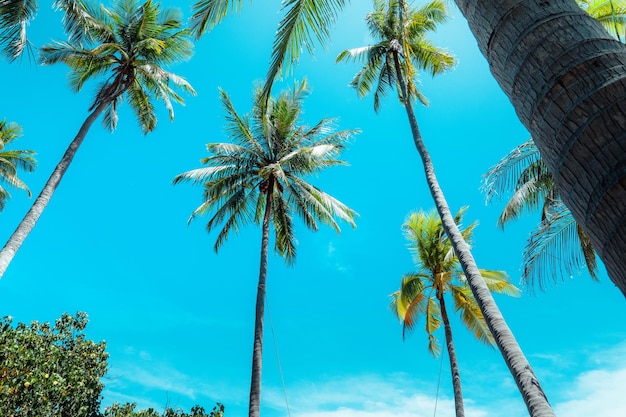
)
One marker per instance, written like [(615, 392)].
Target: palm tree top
[(400, 35), (271, 152), (438, 273), (130, 44)]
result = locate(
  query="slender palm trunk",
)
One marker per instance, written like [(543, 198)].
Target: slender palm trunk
[(28, 222), (566, 78), (454, 364), (526, 381), (254, 409)]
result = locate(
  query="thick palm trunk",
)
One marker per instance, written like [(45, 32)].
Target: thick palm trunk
[(28, 222), (527, 383), (454, 364), (565, 76), (254, 409)]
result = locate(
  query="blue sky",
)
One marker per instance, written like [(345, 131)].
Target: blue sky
[(178, 319)]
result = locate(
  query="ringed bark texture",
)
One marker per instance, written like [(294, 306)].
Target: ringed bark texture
[(566, 78)]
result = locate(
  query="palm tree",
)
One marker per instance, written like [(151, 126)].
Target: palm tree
[(260, 177), (558, 244), (130, 43), (12, 160), (304, 23), (422, 293), (568, 95), (393, 62)]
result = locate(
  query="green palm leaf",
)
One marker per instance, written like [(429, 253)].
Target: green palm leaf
[(554, 249)]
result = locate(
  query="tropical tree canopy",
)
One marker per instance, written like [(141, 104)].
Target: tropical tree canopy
[(389, 30), (13, 160), (557, 248), (270, 150), (50, 369), (439, 273), (130, 44)]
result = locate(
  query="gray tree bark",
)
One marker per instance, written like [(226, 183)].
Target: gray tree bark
[(566, 78), (254, 409)]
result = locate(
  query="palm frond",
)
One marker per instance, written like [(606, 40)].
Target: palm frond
[(433, 322), (209, 13), (503, 178), (304, 23), (466, 305), (553, 249), (15, 16)]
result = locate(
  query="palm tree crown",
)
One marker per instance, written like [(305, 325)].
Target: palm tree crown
[(405, 36), (439, 273), (270, 155), (130, 44), (557, 245), (12, 160)]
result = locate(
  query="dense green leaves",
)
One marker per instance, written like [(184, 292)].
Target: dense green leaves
[(50, 370)]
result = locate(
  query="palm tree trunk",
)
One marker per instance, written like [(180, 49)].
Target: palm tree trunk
[(526, 381), (254, 409), (565, 76), (454, 364), (28, 222)]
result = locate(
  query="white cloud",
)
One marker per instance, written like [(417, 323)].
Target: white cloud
[(596, 393), (368, 396)]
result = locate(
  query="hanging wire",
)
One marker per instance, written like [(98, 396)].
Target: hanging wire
[(438, 385), (280, 369)]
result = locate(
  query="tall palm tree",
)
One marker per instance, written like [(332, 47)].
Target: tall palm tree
[(12, 160), (261, 177), (393, 62), (130, 43), (568, 94), (304, 23), (422, 293), (557, 244)]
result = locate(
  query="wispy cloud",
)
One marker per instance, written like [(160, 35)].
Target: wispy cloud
[(371, 396)]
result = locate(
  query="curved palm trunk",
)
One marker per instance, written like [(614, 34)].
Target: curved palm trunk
[(254, 409), (454, 364), (28, 222), (527, 383), (565, 76)]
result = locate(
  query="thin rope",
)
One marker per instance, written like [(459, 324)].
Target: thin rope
[(280, 369), (438, 385)]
